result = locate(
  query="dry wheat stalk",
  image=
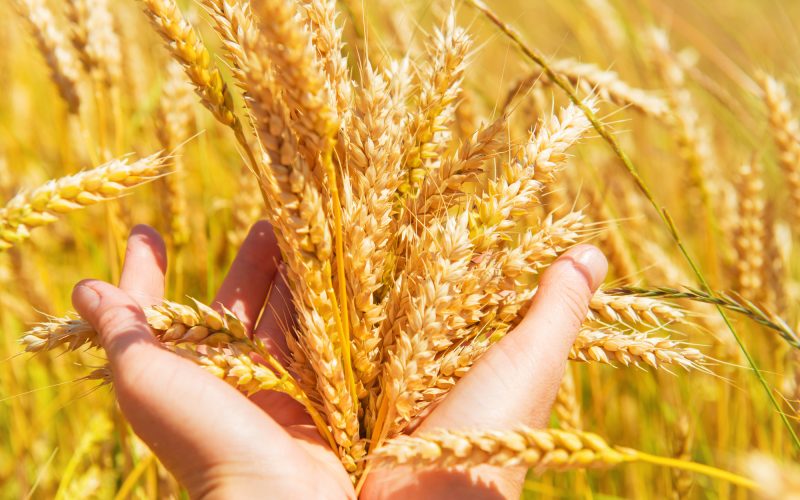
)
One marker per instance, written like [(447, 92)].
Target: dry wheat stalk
[(373, 153), (682, 481), (53, 45), (43, 204), (327, 39), (550, 449), (609, 21), (786, 133), (311, 107), (692, 139)]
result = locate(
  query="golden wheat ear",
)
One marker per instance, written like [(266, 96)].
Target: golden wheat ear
[(43, 205)]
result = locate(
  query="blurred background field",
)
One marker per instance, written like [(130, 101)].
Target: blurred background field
[(710, 158)]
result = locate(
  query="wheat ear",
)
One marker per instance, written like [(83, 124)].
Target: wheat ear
[(52, 43), (550, 449), (43, 204), (186, 46), (786, 133)]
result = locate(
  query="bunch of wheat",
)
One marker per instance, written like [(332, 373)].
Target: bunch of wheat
[(410, 249)]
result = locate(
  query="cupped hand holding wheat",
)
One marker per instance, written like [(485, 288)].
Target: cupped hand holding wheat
[(218, 442)]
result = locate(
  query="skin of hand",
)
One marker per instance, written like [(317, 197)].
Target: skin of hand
[(221, 444)]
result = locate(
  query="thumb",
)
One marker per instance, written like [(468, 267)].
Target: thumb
[(118, 320), (516, 381)]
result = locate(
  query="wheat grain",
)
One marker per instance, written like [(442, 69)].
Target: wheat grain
[(43, 204)]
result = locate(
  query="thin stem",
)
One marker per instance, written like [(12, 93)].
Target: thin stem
[(687, 465), (609, 137), (338, 230)]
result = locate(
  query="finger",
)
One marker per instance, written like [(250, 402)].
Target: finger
[(277, 320), (247, 283), (516, 381), (193, 421), (145, 266)]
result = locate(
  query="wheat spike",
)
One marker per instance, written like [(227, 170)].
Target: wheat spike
[(440, 83), (550, 449), (612, 346), (172, 322), (53, 45), (786, 133), (185, 44), (173, 127), (633, 310), (750, 232), (43, 204), (567, 406), (95, 39)]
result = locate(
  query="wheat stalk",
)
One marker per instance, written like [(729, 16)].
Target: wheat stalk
[(296, 207), (186, 46), (43, 205)]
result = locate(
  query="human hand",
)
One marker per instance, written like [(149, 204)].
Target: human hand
[(219, 443), (214, 440)]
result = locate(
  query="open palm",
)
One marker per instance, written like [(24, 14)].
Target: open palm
[(220, 444)]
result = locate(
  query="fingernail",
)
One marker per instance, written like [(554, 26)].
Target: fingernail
[(590, 262), (87, 296)]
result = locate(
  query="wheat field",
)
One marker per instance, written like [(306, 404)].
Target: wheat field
[(422, 163)]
